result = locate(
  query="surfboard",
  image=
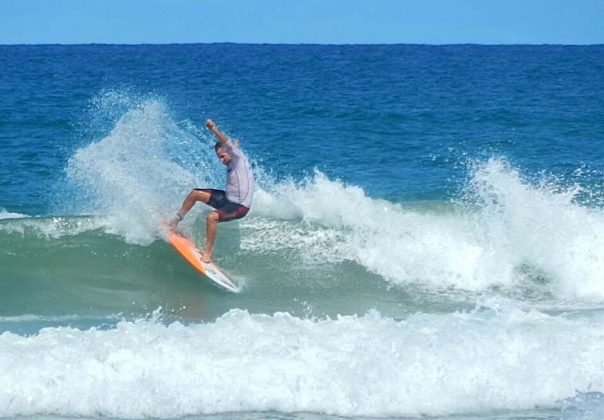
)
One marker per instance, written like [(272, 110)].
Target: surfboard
[(189, 252)]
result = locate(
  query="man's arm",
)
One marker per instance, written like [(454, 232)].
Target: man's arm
[(214, 130)]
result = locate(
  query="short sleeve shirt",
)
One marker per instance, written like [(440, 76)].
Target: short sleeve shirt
[(240, 179)]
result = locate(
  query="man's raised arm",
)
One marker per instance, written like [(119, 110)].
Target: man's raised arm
[(214, 130)]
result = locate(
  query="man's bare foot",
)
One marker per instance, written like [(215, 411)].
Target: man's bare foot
[(171, 224), (206, 257)]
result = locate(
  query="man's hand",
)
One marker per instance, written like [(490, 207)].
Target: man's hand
[(211, 125)]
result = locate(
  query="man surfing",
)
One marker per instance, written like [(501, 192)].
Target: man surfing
[(232, 203)]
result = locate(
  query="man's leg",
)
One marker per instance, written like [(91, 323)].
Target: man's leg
[(211, 228), (193, 197)]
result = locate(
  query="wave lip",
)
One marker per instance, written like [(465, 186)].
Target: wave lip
[(351, 365), (4, 214)]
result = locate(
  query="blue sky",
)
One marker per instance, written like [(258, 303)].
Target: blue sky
[(302, 21)]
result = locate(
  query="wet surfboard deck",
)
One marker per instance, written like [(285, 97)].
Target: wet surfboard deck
[(191, 254)]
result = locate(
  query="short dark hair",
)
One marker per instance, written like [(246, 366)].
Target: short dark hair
[(218, 145)]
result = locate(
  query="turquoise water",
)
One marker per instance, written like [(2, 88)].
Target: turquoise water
[(425, 240)]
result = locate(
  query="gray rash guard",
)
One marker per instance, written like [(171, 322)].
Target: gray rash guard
[(240, 179)]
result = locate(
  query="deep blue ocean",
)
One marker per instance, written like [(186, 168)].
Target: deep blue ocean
[(426, 239)]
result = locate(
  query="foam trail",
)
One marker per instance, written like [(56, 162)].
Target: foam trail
[(353, 365)]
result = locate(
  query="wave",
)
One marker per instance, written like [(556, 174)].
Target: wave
[(502, 232), (425, 364)]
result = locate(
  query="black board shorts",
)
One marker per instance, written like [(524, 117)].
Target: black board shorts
[(227, 210)]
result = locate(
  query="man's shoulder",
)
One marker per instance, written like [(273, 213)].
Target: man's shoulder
[(238, 153)]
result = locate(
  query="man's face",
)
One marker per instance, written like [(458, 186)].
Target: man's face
[(223, 156)]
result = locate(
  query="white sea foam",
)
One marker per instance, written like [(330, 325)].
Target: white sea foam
[(507, 232), (137, 175), (352, 365)]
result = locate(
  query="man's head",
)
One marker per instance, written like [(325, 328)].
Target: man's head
[(222, 153)]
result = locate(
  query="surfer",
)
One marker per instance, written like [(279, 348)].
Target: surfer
[(232, 203)]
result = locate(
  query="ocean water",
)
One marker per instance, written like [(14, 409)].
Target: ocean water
[(426, 240)]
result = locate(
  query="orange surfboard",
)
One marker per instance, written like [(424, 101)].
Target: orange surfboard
[(188, 250)]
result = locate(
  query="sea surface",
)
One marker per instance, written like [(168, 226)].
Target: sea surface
[(426, 239)]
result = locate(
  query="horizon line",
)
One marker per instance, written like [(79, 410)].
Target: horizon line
[(300, 44)]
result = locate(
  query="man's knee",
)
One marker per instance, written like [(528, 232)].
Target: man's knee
[(213, 217), (199, 195)]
